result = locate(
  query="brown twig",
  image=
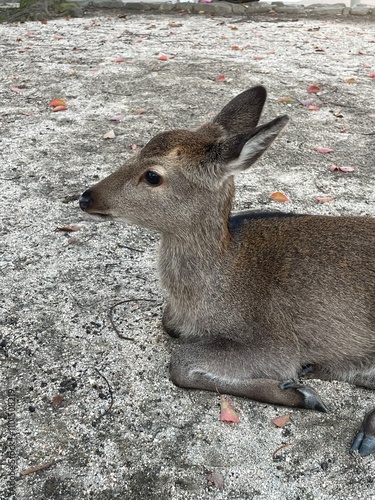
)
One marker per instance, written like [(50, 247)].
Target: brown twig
[(280, 448), (37, 468)]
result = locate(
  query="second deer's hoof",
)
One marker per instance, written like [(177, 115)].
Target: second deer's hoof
[(364, 442), (310, 399)]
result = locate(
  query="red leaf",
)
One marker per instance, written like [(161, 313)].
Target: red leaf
[(372, 75), (323, 150), (281, 421), (57, 102), (279, 197), (163, 57), (313, 89), (324, 199), (43, 21), (227, 413), (17, 90), (220, 78), (119, 60), (313, 108), (235, 47)]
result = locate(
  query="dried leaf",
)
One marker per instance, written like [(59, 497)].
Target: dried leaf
[(119, 60), (235, 47), (336, 168), (313, 89), (67, 229), (43, 21), (139, 111), (285, 100), (163, 57), (324, 199), (258, 58), (372, 75), (313, 108), (227, 413), (307, 102), (117, 118), (109, 135), (57, 400), (215, 479), (279, 197), (134, 147), (220, 78), (57, 102), (59, 108), (17, 90), (323, 150), (351, 80), (281, 421), (174, 25)]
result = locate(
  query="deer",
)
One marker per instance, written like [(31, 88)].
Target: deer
[(258, 299)]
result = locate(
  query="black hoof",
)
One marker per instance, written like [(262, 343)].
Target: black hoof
[(365, 445), (364, 442), (310, 399)]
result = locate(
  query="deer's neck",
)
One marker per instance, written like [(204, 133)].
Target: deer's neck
[(191, 259)]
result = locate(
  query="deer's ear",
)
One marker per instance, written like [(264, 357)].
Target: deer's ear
[(241, 114), (239, 152)]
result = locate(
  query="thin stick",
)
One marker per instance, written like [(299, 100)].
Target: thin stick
[(37, 468), (111, 310)]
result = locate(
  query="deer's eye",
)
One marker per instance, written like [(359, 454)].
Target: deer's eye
[(152, 178)]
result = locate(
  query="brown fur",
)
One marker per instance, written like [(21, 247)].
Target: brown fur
[(255, 296)]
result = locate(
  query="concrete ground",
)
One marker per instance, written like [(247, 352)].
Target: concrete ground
[(94, 412)]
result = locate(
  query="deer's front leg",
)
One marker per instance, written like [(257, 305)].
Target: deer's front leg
[(231, 368)]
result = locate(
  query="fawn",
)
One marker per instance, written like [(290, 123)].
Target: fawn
[(258, 298)]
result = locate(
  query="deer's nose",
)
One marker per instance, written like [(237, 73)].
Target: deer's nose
[(85, 200)]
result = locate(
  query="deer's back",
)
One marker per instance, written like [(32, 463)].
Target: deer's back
[(311, 277)]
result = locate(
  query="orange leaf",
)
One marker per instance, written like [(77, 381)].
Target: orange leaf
[(57, 102), (281, 421), (59, 108), (227, 413), (313, 89), (324, 199), (279, 197), (235, 47)]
